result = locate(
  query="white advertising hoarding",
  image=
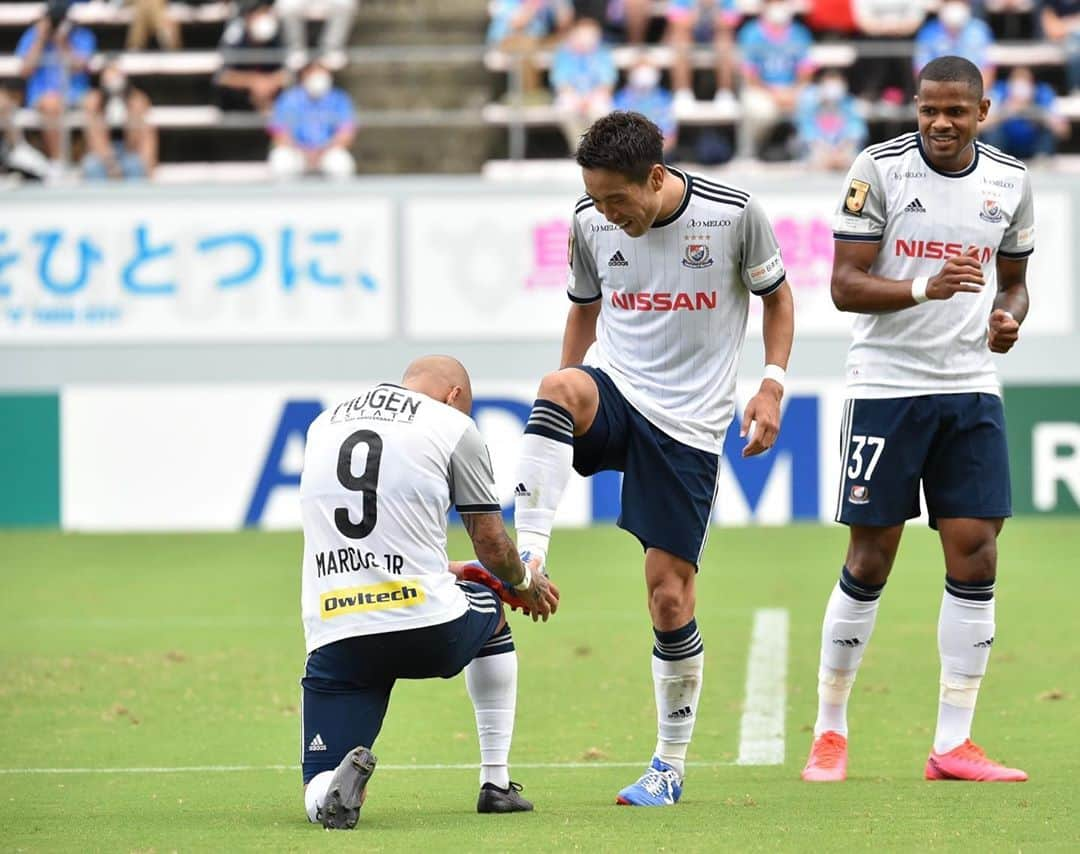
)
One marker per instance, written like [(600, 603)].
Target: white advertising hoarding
[(190, 269), (221, 457), (495, 267)]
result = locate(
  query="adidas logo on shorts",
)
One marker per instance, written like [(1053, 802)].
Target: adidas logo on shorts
[(316, 744), (915, 206), (617, 260)]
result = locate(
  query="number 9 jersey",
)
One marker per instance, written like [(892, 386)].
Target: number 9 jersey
[(381, 471)]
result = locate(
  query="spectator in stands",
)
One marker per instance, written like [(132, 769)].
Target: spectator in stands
[(830, 131), (709, 21), (251, 84), (956, 33), (55, 54), (335, 32), (1025, 121), (16, 155), (522, 27), (1061, 24), (583, 77), (644, 94), (830, 19), (776, 65), (152, 17), (886, 77), (312, 127), (120, 141), (630, 17)]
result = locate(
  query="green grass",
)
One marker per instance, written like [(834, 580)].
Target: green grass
[(168, 650)]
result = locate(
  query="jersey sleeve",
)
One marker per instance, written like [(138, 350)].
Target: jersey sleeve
[(860, 216), (1019, 239), (583, 285), (762, 267), (472, 479)]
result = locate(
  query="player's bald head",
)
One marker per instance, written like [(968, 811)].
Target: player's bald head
[(441, 377)]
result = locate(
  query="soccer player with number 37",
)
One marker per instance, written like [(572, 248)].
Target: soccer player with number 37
[(932, 240)]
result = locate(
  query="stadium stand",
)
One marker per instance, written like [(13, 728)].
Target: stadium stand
[(429, 96)]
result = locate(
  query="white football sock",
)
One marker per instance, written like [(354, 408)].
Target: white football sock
[(965, 635), (547, 456), (492, 684), (845, 633), (315, 793), (677, 688)]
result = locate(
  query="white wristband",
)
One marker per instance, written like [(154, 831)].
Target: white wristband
[(526, 581), (774, 373), (918, 288)]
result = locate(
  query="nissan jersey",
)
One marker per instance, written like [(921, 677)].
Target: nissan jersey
[(381, 471), (919, 216), (675, 303)]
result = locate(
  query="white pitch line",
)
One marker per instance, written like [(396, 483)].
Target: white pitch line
[(761, 736), (221, 769)]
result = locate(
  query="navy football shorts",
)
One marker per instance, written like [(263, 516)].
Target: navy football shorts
[(954, 444), (347, 684), (668, 488)]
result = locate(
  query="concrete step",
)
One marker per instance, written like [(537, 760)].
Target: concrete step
[(429, 150), (400, 86)]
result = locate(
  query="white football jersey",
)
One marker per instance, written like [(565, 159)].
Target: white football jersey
[(919, 216), (381, 471), (675, 303)]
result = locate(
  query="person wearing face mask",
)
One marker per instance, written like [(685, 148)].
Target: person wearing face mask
[(644, 94), (312, 127), (120, 141), (956, 33), (55, 54), (583, 76), (1026, 122), (776, 65), (245, 83), (829, 129)]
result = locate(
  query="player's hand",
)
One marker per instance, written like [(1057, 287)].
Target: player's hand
[(761, 419), (541, 596), (1004, 331), (960, 274)]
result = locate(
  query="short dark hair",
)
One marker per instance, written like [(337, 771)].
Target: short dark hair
[(622, 142), (953, 69)]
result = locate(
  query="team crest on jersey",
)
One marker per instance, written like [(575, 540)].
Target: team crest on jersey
[(855, 200), (860, 494), (697, 256), (991, 210)]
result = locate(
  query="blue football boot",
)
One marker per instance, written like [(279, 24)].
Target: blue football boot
[(660, 786)]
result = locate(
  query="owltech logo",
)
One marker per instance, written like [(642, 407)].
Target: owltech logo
[(373, 597)]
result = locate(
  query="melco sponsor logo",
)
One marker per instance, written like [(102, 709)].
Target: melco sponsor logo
[(708, 223)]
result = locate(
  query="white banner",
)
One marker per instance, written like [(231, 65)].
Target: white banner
[(219, 268), (487, 266), (495, 267), (220, 457)]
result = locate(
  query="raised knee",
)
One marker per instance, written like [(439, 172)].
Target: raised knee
[(569, 388)]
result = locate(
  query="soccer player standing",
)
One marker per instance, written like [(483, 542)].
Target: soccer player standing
[(924, 401), (379, 601), (662, 267)]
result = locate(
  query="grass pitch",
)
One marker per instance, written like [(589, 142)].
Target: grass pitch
[(173, 653)]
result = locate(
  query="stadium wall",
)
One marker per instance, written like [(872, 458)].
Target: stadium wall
[(162, 350)]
